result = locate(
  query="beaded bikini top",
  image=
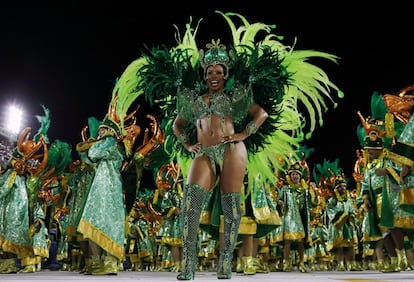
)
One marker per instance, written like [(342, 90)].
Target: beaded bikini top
[(192, 106), (220, 104)]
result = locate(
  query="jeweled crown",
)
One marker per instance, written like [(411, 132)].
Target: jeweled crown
[(215, 55)]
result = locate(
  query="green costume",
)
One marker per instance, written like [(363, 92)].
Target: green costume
[(105, 199), (14, 219), (263, 71)]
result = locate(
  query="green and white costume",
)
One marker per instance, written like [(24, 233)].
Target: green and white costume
[(105, 203)]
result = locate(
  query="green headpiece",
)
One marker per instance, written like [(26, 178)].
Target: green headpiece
[(329, 174), (373, 141), (376, 131), (93, 124), (215, 55), (296, 162), (296, 167), (339, 178), (112, 126)]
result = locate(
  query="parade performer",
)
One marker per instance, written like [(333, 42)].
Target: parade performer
[(296, 199), (105, 200), (232, 109), (380, 188)]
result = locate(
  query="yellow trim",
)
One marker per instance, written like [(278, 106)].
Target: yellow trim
[(171, 212), (264, 250), (139, 231), (394, 174), (266, 216), (293, 236), (131, 246), (407, 196), (103, 240), (262, 241), (205, 217), (41, 252), (403, 222), (12, 178), (172, 241), (400, 160), (134, 258), (155, 197), (127, 227), (11, 247), (248, 225), (29, 260)]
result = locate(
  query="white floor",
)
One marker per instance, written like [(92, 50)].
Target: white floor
[(123, 276)]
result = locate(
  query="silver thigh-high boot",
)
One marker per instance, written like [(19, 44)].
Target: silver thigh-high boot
[(230, 204), (193, 202)]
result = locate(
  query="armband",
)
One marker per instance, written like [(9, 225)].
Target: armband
[(251, 128)]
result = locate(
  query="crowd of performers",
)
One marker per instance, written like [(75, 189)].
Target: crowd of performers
[(94, 214)]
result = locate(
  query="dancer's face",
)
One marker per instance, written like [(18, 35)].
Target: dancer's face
[(215, 78)]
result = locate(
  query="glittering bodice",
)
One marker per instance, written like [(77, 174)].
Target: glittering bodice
[(220, 105)]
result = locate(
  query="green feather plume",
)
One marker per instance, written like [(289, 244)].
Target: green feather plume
[(125, 92), (59, 156), (44, 125), (304, 84)]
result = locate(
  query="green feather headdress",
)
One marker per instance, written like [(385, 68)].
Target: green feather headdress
[(124, 94), (378, 129), (328, 174)]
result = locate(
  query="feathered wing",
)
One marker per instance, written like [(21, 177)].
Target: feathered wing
[(166, 71), (297, 89), (310, 85)]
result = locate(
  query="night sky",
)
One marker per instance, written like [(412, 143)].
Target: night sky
[(68, 56)]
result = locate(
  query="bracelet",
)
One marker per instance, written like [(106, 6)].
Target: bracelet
[(183, 138), (251, 128)]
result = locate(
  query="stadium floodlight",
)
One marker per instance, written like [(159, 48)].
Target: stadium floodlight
[(11, 123), (14, 119)]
